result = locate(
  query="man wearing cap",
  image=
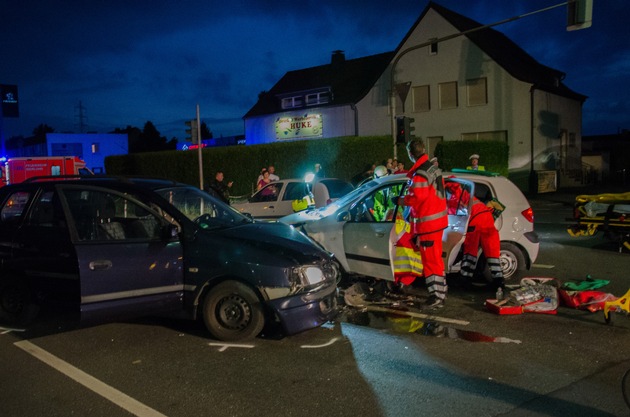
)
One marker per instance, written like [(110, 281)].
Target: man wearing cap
[(474, 163)]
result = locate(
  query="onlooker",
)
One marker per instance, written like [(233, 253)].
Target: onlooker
[(264, 180), (272, 173), (428, 219), (401, 168), (474, 163), (218, 187), (319, 171)]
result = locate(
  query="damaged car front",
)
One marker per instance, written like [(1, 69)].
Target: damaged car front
[(241, 274)]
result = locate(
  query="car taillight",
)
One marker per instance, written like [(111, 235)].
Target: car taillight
[(528, 214)]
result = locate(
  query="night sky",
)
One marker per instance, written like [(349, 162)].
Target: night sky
[(129, 62)]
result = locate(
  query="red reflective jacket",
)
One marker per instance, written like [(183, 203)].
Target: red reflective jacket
[(425, 198)]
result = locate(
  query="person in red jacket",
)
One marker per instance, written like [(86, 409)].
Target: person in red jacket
[(427, 217), (481, 232)]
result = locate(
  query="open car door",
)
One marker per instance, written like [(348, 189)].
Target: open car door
[(458, 207)]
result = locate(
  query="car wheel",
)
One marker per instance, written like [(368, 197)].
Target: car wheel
[(232, 311), (512, 263), (16, 306)]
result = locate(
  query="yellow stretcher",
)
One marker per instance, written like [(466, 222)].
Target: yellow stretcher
[(608, 213)]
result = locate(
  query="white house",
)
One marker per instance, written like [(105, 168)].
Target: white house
[(477, 86)]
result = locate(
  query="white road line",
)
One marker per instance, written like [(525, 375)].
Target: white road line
[(224, 346), (109, 393), (5, 330), (417, 315), (330, 342), (543, 266)]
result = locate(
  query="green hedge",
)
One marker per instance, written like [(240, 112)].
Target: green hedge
[(343, 157)]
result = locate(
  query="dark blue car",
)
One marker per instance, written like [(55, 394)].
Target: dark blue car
[(120, 248)]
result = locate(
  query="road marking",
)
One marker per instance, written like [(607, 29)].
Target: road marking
[(543, 266), (417, 315), (5, 330), (224, 346), (109, 393), (330, 342)]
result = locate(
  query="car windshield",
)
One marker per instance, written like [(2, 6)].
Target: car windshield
[(200, 207)]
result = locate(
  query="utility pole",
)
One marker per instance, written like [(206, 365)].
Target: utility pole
[(81, 116), (199, 150)]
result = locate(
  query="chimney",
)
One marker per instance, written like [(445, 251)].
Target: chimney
[(338, 58)]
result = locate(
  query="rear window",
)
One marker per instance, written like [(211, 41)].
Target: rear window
[(337, 188)]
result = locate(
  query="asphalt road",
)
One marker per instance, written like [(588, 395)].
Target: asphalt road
[(466, 361)]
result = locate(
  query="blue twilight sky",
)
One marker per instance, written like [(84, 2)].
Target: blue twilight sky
[(132, 61)]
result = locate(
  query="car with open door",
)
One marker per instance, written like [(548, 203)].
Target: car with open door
[(360, 238)]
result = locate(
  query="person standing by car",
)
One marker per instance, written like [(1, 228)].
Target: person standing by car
[(481, 232), (427, 218), (218, 187)]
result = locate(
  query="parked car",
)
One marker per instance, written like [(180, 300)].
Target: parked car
[(112, 247), (362, 243), (276, 198)]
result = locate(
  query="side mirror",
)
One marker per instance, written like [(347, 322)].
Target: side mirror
[(344, 216)]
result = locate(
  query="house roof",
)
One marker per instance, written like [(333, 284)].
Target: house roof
[(350, 80)]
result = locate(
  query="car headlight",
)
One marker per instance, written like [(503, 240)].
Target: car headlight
[(308, 277)]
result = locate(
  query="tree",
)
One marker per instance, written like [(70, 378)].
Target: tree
[(205, 132), (40, 132)]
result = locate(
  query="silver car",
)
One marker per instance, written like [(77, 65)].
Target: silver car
[(276, 199), (361, 241)]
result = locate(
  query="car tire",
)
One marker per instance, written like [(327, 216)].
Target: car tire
[(232, 311), (16, 303), (512, 263)]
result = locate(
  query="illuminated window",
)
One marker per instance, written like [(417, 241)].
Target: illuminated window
[(447, 93), (95, 147), (421, 98), (477, 92)]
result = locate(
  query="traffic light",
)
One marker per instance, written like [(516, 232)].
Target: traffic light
[(409, 128), (579, 14), (400, 129), (192, 131)]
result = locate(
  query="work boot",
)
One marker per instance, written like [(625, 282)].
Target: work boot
[(433, 303), (497, 283)]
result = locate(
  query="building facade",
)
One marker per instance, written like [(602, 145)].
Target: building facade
[(476, 86)]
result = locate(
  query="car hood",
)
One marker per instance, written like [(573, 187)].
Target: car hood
[(308, 216), (275, 239)]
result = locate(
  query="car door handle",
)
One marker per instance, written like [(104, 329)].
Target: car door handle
[(100, 265)]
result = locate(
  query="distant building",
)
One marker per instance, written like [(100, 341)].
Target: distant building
[(91, 147), (479, 86)]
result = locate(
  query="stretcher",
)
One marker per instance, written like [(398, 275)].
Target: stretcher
[(607, 213)]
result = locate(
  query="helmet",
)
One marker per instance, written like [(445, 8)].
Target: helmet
[(380, 171)]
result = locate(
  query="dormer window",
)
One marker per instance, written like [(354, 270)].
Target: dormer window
[(311, 98), (318, 98), (292, 102)]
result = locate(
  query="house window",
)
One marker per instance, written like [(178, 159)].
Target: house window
[(498, 135), (95, 147), (433, 48), (292, 102), (431, 143), (318, 98), (477, 92), (448, 95), (421, 98)]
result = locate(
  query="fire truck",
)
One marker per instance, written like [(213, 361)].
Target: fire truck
[(16, 170)]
